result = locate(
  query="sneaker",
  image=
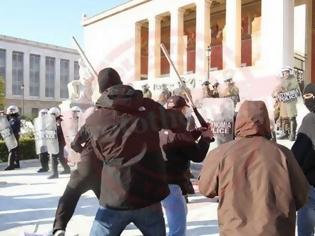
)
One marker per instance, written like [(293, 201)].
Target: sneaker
[(9, 168), (53, 176), (17, 166), (66, 171)]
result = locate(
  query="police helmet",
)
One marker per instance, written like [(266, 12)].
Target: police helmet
[(76, 109), (43, 112), (12, 110), (54, 111)]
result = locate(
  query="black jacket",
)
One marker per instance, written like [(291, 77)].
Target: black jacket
[(15, 123), (61, 138), (179, 150), (304, 145), (124, 132)]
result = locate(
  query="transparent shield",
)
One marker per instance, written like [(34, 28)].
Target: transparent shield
[(7, 134)]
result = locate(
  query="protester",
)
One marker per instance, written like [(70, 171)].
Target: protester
[(179, 149), (61, 141), (86, 177), (15, 124), (304, 152), (259, 182), (124, 135)]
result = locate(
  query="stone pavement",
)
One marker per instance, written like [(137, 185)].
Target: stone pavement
[(28, 198)]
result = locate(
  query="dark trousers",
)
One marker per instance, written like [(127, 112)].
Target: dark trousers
[(44, 159), (62, 160), (14, 158), (86, 177)]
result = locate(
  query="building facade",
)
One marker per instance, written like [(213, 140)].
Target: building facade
[(250, 39), (36, 74)]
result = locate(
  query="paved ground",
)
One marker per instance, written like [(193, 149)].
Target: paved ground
[(28, 198)]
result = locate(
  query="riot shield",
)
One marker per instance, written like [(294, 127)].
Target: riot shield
[(71, 124), (51, 134), (219, 112), (288, 96), (40, 130), (7, 133)]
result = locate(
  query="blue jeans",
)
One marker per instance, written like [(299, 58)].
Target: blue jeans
[(306, 216), (149, 221), (176, 210)]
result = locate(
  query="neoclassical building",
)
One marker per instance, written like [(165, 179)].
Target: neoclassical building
[(36, 74), (250, 40)]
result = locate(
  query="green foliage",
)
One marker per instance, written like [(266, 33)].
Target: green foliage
[(27, 150)]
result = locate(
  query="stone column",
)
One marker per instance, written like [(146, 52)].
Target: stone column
[(42, 77), (308, 44), (203, 37), (177, 41), (185, 56), (71, 70), (256, 41), (26, 75), (57, 78), (277, 34), (232, 35), (137, 66), (154, 55), (8, 73)]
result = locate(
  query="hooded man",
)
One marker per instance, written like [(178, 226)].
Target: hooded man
[(124, 133), (259, 183), (304, 152), (87, 176)]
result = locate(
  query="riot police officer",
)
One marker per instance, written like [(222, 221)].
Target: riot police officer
[(231, 90), (183, 91), (61, 140), (43, 155), (206, 91), (15, 124), (164, 95), (146, 91), (287, 94)]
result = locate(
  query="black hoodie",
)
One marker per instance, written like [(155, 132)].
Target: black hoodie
[(124, 132)]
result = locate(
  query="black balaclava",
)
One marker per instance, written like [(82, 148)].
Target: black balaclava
[(108, 77), (309, 97)]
